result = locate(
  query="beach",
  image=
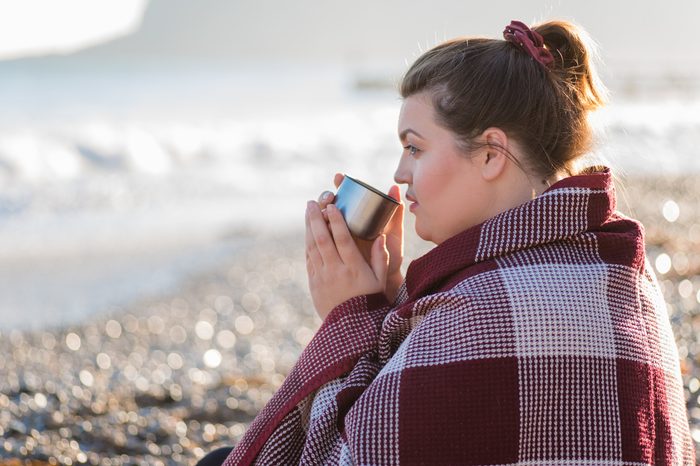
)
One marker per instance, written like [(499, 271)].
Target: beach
[(168, 378)]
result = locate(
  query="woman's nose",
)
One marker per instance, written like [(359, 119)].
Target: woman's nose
[(402, 174)]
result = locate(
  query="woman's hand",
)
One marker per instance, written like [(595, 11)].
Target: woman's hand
[(394, 243), (335, 266), (394, 238)]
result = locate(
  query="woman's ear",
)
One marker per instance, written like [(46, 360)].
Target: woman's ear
[(493, 159)]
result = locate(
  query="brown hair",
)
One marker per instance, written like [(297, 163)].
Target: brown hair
[(477, 83)]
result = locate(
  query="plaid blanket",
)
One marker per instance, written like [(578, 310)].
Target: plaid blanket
[(538, 337)]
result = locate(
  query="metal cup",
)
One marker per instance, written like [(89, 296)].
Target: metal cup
[(366, 209)]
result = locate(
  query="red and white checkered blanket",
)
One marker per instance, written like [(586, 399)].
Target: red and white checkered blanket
[(539, 337)]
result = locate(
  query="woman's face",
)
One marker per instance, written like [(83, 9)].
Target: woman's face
[(445, 189)]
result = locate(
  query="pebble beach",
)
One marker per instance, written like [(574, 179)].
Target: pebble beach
[(169, 378)]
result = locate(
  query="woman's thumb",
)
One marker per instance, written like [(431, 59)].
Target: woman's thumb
[(380, 258)]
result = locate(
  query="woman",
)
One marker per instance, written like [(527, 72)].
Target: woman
[(533, 333)]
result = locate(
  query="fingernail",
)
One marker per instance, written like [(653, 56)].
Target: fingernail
[(326, 195)]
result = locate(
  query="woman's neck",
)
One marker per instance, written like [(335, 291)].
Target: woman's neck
[(515, 188)]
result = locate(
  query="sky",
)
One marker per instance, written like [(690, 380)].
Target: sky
[(38, 27), (634, 36)]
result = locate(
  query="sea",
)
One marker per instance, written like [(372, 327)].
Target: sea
[(122, 181)]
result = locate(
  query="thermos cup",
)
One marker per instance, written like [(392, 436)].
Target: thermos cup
[(366, 209)]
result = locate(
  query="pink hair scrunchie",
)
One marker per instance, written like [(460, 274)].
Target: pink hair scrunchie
[(528, 40)]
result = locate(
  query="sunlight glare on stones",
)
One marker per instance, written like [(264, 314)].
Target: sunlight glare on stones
[(212, 358), (113, 329), (685, 288), (226, 339), (103, 361), (204, 330), (174, 361), (40, 400), (696, 435), (73, 341), (244, 325), (86, 378), (671, 211), (663, 263)]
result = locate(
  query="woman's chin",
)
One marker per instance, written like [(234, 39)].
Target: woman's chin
[(423, 233)]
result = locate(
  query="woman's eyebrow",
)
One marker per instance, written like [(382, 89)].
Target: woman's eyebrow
[(403, 133)]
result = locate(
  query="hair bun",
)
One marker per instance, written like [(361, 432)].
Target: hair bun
[(528, 40), (573, 52)]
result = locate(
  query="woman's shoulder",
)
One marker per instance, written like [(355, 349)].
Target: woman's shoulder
[(542, 308), (553, 278)]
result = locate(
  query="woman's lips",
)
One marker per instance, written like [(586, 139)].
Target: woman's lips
[(414, 203)]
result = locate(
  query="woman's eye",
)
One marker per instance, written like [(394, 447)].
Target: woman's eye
[(412, 150)]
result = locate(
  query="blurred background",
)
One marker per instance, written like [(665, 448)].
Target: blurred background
[(134, 134), (145, 144)]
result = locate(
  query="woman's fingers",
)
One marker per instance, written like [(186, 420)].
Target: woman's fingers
[(380, 259), (395, 226), (322, 237), (337, 245), (394, 234), (349, 253), (313, 257), (324, 199), (395, 192), (327, 197), (396, 222)]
